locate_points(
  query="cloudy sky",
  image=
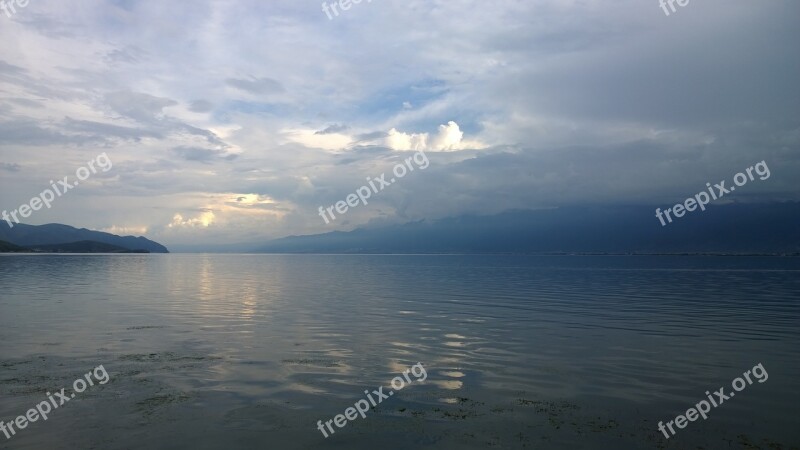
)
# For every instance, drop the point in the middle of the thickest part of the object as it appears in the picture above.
(233, 121)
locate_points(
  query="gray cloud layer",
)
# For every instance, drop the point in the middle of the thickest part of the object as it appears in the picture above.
(238, 120)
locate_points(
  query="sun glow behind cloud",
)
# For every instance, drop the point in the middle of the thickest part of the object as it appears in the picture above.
(205, 219)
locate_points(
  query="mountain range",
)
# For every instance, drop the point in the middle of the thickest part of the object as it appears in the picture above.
(721, 229)
(58, 238)
(725, 229)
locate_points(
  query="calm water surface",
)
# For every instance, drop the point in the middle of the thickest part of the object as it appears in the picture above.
(250, 351)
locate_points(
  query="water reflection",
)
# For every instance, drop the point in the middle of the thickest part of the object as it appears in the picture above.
(206, 343)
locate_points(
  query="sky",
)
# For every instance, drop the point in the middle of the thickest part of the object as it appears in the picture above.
(234, 121)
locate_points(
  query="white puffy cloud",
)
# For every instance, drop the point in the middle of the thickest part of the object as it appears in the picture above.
(204, 219)
(448, 138)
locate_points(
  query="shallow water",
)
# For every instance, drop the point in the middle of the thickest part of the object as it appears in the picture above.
(250, 351)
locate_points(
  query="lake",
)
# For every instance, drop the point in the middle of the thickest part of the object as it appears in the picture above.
(255, 351)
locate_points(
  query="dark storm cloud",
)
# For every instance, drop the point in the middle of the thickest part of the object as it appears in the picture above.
(257, 85)
(129, 55)
(30, 133)
(8, 167)
(559, 103)
(332, 129)
(142, 107)
(203, 154)
(108, 130)
(201, 106)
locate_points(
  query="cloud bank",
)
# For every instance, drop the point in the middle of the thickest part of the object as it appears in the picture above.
(234, 123)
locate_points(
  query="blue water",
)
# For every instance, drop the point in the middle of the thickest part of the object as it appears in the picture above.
(251, 351)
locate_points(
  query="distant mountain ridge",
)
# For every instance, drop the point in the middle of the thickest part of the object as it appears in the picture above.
(8, 247)
(82, 247)
(729, 229)
(55, 236)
